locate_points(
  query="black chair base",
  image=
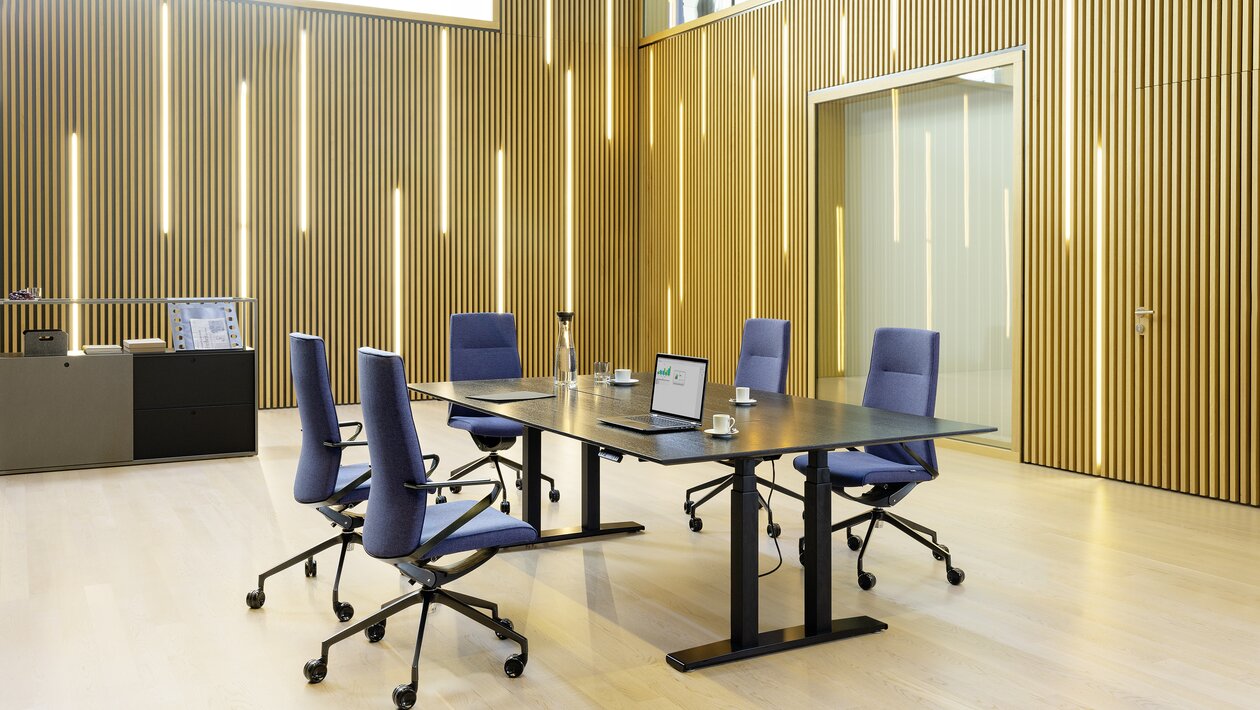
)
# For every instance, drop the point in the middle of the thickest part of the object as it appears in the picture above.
(349, 535)
(720, 484)
(915, 531)
(494, 459)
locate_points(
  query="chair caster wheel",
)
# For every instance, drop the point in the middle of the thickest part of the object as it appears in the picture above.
(696, 524)
(939, 557)
(854, 542)
(554, 496)
(519, 484)
(514, 666)
(800, 550)
(315, 670)
(866, 580)
(688, 506)
(310, 569)
(439, 500)
(256, 599)
(375, 632)
(454, 489)
(773, 530)
(344, 611)
(506, 507)
(404, 697)
(505, 623)
(955, 575)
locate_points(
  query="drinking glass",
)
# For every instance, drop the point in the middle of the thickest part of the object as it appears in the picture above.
(601, 372)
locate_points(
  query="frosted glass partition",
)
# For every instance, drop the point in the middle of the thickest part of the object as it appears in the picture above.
(916, 228)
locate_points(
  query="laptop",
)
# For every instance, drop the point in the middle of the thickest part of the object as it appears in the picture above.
(677, 396)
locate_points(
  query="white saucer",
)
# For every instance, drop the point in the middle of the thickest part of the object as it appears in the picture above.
(623, 382)
(745, 403)
(713, 433)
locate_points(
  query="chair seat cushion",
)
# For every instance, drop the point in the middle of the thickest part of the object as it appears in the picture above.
(488, 426)
(489, 529)
(346, 475)
(858, 468)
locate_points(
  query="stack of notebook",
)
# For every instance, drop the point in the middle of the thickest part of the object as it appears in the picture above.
(101, 350)
(145, 345)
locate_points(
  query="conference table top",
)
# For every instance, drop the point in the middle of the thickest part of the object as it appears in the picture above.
(776, 424)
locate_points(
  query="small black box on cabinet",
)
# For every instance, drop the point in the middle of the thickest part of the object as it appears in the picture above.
(44, 343)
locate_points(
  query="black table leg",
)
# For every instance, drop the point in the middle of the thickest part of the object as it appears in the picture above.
(531, 493)
(819, 627)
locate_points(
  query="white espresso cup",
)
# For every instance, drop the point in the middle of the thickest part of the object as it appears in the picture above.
(621, 375)
(742, 394)
(722, 423)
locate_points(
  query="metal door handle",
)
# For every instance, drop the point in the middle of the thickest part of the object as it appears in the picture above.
(1143, 311)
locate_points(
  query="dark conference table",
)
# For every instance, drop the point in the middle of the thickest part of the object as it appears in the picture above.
(778, 424)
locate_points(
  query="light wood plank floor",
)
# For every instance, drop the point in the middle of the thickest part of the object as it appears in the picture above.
(124, 588)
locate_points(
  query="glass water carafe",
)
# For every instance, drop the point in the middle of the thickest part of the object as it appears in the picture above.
(566, 354)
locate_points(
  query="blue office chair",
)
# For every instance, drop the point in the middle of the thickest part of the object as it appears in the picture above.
(903, 374)
(763, 366)
(407, 533)
(483, 347)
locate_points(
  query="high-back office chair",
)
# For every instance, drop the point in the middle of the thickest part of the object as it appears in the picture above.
(321, 480)
(763, 365)
(903, 374)
(483, 347)
(407, 533)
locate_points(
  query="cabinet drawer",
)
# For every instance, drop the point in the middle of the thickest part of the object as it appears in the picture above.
(164, 380)
(194, 431)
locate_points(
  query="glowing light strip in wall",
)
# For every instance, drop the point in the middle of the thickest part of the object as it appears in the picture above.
(243, 137)
(1098, 305)
(783, 154)
(966, 156)
(651, 97)
(568, 190)
(397, 280)
(840, 289)
(498, 234)
(681, 230)
(608, 69)
(704, 82)
(896, 165)
(547, 33)
(844, 46)
(669, 319)
(1068, 41)
(74, 239)
(166, 119)
(927, 226)
(446, 166)
(892, 24)
(303, 188)
(752, 191)
(1006, 234)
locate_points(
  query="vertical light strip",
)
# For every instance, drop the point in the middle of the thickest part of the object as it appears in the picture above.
(681, 202)
(669, 319)
(568, 189)
(896, 165)
(397, 280)
(651, 97)
(303, 149)
(243, 179)
(844, 46)
(166, 118)
(498, 234)
(892, 24)
(1068, 68)
(1006, 235)
(446, 189)
(752, 192)
(840, 289)
(74, 240)
(608, 68)
(783, 154)
(927, 226)
(966, 161)
(547, 33)
(1098, 305)
(704, 82)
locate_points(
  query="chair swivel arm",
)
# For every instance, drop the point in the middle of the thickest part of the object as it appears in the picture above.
(344, 444)
(433, 466)
(422, 552)
(931, 471)
(358, 428)
(360, 480)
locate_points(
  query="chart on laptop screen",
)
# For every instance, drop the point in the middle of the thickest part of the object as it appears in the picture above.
(679, 387)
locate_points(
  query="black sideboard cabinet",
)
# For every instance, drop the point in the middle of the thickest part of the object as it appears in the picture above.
(190, 404)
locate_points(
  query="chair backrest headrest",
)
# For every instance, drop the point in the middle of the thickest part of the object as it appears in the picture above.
(395, 517)
(318, 465)
(902, 378)
(483, 347)
(764, 354)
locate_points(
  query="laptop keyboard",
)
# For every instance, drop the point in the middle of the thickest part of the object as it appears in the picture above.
(659, 420)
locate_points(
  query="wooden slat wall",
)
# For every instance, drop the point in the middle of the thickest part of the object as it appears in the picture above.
(1168, 90)
(93, 67)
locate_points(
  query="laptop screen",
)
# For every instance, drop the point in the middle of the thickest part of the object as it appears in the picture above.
(678, 386)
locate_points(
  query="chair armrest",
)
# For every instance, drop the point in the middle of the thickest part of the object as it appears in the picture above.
(363, 478)
(422, 552)
(344, 444)
(358, 428)
(933, 472)
(434, 465)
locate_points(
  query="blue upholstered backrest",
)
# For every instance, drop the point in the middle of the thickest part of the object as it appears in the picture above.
(763, 354)
(904, 365)
(483, 347)
(395, 514)
(316, 478)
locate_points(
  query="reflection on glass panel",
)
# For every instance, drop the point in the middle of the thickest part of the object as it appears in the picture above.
(659, 15)
(462, 9)
(914, 230)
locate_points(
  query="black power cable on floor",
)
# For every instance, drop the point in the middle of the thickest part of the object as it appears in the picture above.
(770, 517)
